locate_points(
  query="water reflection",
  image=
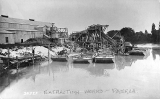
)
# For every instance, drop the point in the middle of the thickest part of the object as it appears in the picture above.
(122, 61)
(55, 67)
(125, 72)
(155, 53)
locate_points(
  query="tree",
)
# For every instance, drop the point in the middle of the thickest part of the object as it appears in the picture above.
(158, 34)
(159, 26)
(140, 37)
(128, 33)
(153, 27)
(146, 32)
(154, 33)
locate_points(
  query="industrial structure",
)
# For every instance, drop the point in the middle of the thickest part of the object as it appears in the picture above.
(94, 38)
(13, 30)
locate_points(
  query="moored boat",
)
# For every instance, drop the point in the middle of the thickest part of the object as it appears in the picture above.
(82, 58)
(59, 58)
(103, 58)
(137, 51)
(106, 56)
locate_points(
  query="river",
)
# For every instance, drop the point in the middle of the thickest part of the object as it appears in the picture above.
(130, 77)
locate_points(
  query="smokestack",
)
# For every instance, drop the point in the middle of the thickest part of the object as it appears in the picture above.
(6, 16)
(31, 19)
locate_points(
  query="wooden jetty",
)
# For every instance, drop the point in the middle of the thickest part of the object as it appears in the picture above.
(16, 62)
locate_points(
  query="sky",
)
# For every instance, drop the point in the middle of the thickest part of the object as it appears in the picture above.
(77, 15)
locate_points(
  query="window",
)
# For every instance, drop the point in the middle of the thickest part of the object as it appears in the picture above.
(20, 26)
(3, 24)
(21, 40)
(12, 25)
(7, 40)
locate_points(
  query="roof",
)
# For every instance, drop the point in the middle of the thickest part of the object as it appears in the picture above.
(23, 21)
(6, 32)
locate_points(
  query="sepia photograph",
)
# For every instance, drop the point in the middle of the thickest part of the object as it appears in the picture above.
(79, 49)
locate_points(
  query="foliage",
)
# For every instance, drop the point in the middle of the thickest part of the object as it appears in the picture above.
(155, 34)
(131, 36)
(128, 33)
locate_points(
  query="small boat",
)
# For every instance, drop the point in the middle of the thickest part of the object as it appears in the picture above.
(59, 58)
(104, 57)
(137, 51)
(82, 58)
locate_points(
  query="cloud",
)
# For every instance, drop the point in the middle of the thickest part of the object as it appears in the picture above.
(10, 8)
(78, 14)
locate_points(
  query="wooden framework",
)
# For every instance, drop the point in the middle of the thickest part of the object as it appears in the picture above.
(62, 32)
(94, 38)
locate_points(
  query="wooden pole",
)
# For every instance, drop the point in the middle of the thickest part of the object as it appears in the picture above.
(33, 56)
(39, 66)
(48, 51)
(8, 56)
(17, 68)
(17, 62)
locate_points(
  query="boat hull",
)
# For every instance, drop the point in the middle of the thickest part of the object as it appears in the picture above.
(81, 60)
(103, 60)
(60, 59)
(137, 53)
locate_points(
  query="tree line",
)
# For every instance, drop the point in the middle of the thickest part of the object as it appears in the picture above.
(138, 37)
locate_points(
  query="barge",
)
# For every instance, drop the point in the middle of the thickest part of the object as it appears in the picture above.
(138, 52)
(105, 56)
(82, 58)
(60, 58)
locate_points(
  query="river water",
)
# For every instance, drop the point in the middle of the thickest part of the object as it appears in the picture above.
(130, 77)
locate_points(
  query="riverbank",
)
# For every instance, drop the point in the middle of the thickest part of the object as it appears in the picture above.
(22, 56)
(136, 75)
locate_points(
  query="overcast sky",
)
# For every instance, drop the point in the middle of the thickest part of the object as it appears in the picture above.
(77, 15)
